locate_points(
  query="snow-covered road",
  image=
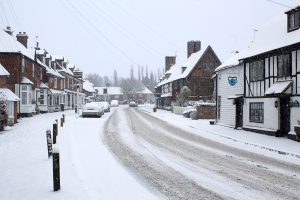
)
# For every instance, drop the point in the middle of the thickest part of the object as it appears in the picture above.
(182, 165)
(130, 154)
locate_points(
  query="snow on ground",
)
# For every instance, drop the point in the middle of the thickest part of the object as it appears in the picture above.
(279, 148)
(88, 169)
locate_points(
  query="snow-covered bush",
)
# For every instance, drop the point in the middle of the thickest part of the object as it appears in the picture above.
(183, 96)
(194, 115)
(187, 112)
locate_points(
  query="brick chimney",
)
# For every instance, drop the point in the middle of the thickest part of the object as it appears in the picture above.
(8, 30)
(169, 61)
(193, 47)
(22, 38)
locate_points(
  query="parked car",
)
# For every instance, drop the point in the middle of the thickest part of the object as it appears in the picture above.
(105, 105)
(132, 104)
(92, 109)
(114, 103)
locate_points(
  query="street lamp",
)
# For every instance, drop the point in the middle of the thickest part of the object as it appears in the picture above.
(77, 98)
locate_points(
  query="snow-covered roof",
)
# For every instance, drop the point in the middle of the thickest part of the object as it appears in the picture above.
(110, 90)
(279, 87)
(26, 81)
(56, 91)
(3, 71)
(272, 36)
(179, 71)
(146, 91)
(64, 70)
(232, 61)
(10, 44)
(49, 69)
(88, 86)
(43, 85)
(10, 96)
(40, 51)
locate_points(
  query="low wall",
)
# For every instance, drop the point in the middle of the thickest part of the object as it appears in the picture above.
(179, 110)
(206, 111)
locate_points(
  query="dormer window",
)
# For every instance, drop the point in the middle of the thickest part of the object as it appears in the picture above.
(183, 69)
(293, 18)
(168, 75)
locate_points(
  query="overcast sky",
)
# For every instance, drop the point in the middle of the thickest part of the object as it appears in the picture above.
(99, 36)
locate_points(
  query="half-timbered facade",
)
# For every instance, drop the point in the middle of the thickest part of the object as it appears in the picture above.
(272, 77)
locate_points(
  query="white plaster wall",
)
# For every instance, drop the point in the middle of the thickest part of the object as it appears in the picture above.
(270, 114)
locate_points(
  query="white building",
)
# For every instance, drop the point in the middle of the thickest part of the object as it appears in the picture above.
(230, 92)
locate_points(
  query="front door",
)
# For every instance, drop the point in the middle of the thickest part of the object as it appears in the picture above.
(284, 115)
(239, 112)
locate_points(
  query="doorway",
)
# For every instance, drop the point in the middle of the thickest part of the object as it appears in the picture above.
(239, 112)
(284, 115)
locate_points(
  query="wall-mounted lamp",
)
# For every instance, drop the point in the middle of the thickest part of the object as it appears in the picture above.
(296, 103)
(291, 103)
(276, 104)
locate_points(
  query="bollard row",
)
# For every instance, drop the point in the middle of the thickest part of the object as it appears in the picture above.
(54, 152)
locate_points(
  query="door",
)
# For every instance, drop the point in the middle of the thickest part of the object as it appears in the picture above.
(239, 112)
(284, 115)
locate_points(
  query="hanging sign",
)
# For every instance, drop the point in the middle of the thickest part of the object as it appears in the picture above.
(232, 80)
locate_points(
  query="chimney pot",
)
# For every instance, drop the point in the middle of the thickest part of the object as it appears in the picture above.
(22, 38)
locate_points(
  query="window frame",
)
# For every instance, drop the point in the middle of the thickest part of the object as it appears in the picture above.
(256, 112)
(286, 67)
(293, 16)
(254, 70)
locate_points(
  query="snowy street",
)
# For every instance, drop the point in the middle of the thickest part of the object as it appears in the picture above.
(132, 153)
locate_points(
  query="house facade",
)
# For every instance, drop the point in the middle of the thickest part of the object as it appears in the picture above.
(195, 73)
(230, 92)
(271, 84)
(109, 93)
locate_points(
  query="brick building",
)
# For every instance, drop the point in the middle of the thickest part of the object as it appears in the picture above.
(195, 73)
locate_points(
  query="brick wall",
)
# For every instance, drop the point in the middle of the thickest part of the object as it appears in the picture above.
(12, 63)
(206, 112)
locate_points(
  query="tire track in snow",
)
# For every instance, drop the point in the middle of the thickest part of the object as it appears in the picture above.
(164, 179)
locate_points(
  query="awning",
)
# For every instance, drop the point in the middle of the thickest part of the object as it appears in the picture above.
(56, 91)
(70, 91)
(279, 87)
(235, 96)
(44, 86)
(26, 81)
(10, 96)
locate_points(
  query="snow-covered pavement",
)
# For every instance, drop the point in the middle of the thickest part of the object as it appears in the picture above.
(90, 170)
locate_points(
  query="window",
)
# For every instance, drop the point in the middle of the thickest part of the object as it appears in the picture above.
(257, 112)
(284, 66)
(43, 94)
(55, 82)
(26, 94)
(256, 71)
(23, 65)
(293, 20)
(183, 69)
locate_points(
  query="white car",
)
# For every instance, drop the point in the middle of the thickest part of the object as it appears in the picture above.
(114, 103)
(92, 109)
(132, 104)
(105, 106)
